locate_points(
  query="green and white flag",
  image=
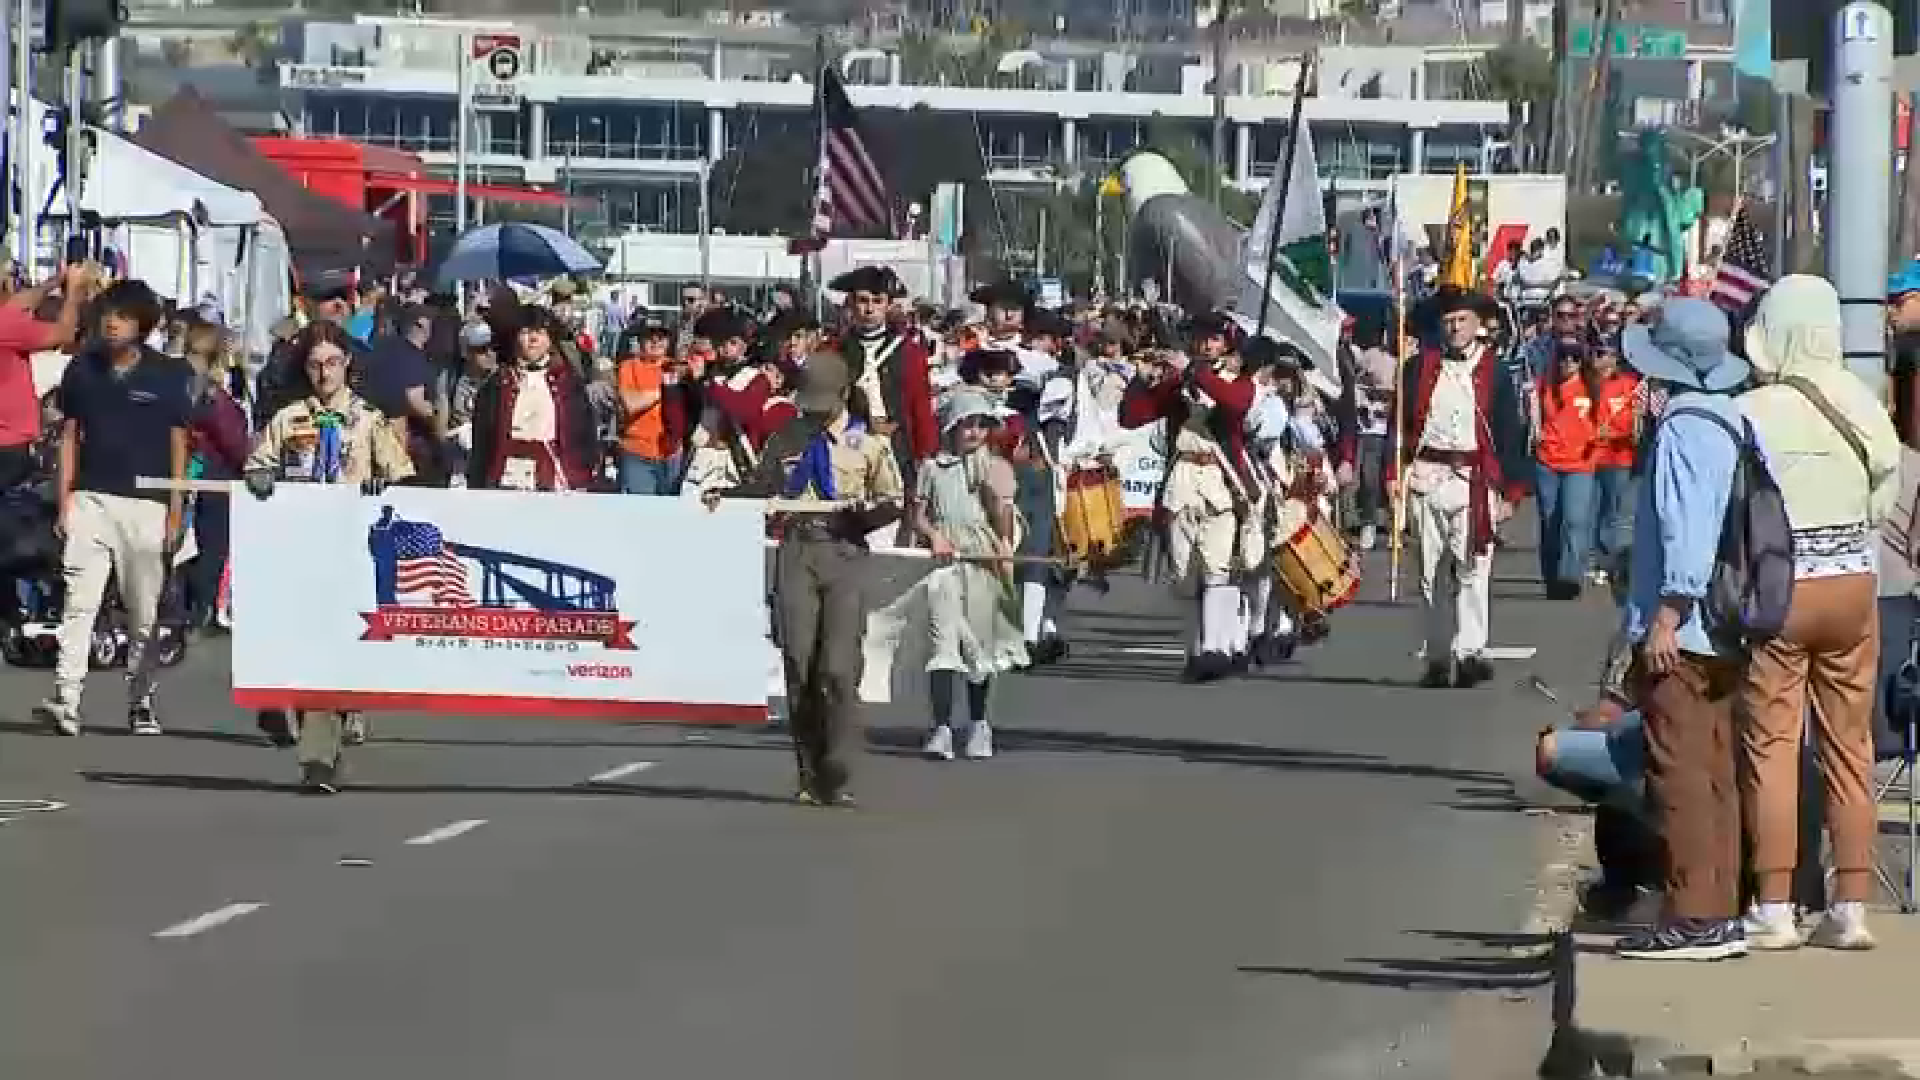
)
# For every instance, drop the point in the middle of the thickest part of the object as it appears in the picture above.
(1299, 284)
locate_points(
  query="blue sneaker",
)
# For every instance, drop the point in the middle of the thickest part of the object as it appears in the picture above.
(1686, 939)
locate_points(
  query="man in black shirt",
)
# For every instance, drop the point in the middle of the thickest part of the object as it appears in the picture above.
(127, 411)
(396, 377)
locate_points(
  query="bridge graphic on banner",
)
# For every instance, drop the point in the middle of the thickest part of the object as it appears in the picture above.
(423, 587)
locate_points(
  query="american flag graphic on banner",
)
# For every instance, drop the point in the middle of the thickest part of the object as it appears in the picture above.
(425, 569)
(850, 195)
(1746, 268)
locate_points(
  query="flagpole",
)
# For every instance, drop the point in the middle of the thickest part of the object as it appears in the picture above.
(1396, 542)
(1285, 180)
(809, 275)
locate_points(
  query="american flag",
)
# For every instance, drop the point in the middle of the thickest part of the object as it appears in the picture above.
(1746, 269)
(850, 195)
(425, 568)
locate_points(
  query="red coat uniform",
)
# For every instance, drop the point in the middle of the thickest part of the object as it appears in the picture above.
(906, 389)
(1143, 403)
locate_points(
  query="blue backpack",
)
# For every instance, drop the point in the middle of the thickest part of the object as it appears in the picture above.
(1752, 586)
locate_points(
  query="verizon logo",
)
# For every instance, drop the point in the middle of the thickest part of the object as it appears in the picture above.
(599, 671)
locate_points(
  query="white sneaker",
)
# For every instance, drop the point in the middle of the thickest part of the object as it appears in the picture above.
(1369, 535)
(1772, 927)
(980, 741)
(1844, 927)
(939, 744)
(62, 718)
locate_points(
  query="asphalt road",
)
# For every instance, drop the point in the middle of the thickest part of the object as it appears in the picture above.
(1308, 874)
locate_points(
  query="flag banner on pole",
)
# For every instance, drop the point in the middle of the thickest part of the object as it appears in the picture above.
(850, 195)
(1301, 310)
(1458, 269)
(1746, 269)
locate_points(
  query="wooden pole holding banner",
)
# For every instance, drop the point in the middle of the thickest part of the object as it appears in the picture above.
(1396, 542)
(772, 506)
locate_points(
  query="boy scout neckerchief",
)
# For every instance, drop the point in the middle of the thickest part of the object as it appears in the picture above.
(327, 456)
(814, 469)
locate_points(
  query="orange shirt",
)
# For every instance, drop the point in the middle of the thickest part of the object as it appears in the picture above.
(645, 433)
(1566, 427)
(1614, 422)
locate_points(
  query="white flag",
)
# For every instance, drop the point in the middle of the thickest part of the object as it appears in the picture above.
(1299, 285)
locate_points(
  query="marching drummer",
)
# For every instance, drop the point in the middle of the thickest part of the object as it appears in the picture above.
(819, 613)
(1210, 484)
(1467, 455)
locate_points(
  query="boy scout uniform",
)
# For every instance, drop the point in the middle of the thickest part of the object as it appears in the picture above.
(289, 449)
(819, 611)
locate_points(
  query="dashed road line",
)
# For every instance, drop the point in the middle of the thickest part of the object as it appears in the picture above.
(200, 924)
(446, 832)
(620, 772)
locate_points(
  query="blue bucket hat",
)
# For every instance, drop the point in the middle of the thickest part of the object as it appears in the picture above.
(1904, 280)
(1686, 346)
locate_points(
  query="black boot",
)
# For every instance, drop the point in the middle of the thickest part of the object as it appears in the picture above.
(1438, 676)
(1471, 671)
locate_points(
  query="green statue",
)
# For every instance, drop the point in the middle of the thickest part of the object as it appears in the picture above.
(1656, 210)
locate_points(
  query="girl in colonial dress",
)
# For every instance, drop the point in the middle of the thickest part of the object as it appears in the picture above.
(965, 508)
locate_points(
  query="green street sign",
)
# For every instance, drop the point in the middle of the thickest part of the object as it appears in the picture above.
(1657, 42)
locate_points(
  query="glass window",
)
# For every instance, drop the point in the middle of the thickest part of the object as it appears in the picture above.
(1019, 142)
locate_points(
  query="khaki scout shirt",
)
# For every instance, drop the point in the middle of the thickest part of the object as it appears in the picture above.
(368, 445)
(863, 465)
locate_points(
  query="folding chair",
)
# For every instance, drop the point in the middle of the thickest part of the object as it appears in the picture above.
(1900, 697)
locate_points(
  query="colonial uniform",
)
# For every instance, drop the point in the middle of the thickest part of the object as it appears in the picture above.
(342, 441)
(534, 430)
(1205, 513)
(892, 388)
(819, 610)
(733, 403)
(1468, 447)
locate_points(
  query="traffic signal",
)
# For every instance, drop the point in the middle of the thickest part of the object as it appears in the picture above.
(72, 22)
(1803, 30)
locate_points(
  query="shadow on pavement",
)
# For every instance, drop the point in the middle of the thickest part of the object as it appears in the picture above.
(1507, 970)
(189, 782)
(1016, 740)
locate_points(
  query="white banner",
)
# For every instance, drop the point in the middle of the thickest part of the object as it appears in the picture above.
(495, 601)
(1141, 456)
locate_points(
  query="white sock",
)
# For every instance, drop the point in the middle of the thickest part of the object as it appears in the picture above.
(1033, 610)
(1220, 618)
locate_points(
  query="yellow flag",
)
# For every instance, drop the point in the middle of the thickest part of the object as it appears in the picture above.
(1457, 270)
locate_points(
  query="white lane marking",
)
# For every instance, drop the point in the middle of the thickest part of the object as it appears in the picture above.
(1151, 650)
(447, 832)
(200, 924)
(619, 771)
(1509, 652)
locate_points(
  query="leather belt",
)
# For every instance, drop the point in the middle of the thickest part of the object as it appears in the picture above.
(818, 528)
(1456, 458)
(1198, 457)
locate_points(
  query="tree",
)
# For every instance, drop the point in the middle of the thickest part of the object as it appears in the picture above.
(1522, 73)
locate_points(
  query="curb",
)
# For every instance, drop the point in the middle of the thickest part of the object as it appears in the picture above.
(1581, 1055)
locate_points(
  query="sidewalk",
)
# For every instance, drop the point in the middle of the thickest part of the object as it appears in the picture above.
(1805, 1012)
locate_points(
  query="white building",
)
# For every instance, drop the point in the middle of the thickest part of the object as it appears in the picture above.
(627, 122)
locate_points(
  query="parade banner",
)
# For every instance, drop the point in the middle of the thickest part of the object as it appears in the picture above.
(499, 602)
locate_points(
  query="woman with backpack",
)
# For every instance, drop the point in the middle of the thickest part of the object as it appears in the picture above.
(1832, 449)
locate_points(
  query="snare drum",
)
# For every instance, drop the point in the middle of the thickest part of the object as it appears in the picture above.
(1093, 515)
(1316, 569)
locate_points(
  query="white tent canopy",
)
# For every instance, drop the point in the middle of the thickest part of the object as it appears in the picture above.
(130, 183)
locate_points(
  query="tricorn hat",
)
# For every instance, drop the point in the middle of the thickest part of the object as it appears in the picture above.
(878, 280)
(723, 324)
(788, 323)
(1215, 324)
(1044, 322)
(1451, 298)
(1004, 294)
(979, 362)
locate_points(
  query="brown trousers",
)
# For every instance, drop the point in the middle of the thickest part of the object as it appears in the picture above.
(820, 619)
(1830, 650)
(1690, 782)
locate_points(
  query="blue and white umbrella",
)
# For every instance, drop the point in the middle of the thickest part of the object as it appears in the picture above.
(515, 250)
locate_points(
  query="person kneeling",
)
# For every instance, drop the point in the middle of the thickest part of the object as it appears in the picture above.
(331, 436)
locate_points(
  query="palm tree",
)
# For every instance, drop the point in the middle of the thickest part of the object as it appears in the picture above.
(1521, 72)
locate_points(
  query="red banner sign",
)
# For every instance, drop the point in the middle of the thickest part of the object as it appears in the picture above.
(605, 628)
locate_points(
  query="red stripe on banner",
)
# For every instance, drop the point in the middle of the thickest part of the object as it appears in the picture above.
(493, 705)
